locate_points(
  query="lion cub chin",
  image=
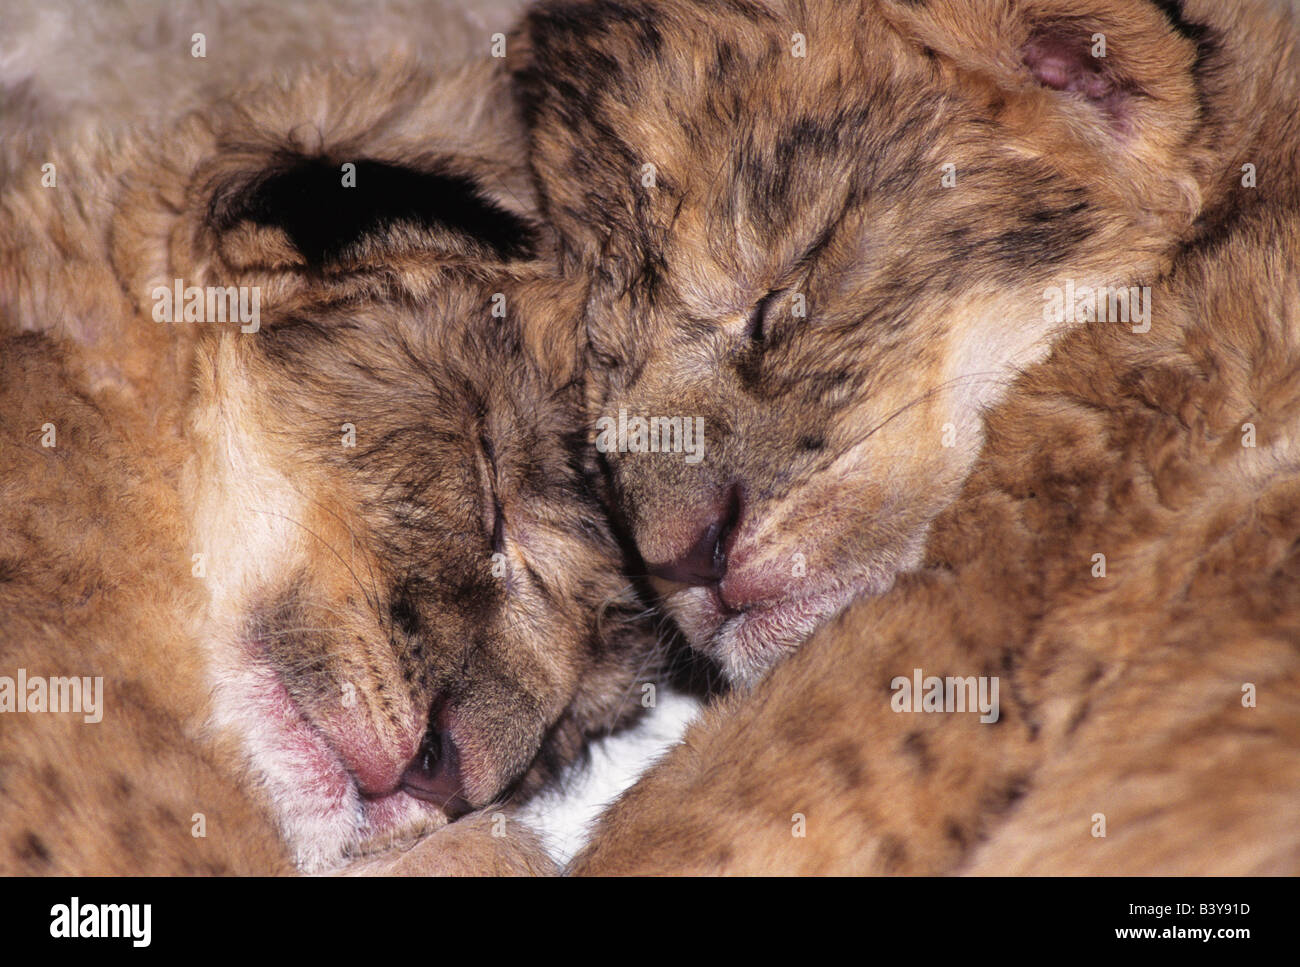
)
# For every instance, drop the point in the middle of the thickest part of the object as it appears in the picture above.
(827, 237)
(317, 322)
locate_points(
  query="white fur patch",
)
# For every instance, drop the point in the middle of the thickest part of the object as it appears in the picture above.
(564, 817)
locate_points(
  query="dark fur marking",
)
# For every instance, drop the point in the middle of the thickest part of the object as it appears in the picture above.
(721, 858)
(323, 219)
(1048, 244)
(1009, 795)
(538, 583)
(845, 758)
(403, 612)
(914, 744)
(33, 848)
(1173, 11)
(1078, 718)
(893, 854)
(129, 836)
(956, 833)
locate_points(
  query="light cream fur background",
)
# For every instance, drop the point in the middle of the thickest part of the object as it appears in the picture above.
(67, 65)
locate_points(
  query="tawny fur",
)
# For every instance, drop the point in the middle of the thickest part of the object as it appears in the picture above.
(1175, 453)
(758, 201)
(361, 588)
(93, 541)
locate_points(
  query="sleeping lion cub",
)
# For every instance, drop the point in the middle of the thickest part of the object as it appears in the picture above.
(295, 492)
(829, 233)
(877, 246)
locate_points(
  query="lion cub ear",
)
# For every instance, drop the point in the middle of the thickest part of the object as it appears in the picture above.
(1087, 85)
(316, 213)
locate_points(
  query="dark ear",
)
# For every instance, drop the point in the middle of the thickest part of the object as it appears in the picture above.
(318, 212)
(1089, 84)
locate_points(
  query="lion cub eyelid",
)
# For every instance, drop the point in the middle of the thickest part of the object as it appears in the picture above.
(493, 513)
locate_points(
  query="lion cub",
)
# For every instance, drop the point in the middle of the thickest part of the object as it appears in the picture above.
(1098, 669)
(293, 469)
(830, 234)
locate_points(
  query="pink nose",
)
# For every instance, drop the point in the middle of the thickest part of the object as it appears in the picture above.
(748, 587)
(434, 775)
(705, 561)
(375, 760)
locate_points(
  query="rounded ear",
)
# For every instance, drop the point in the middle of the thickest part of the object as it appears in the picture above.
(350, 175)
(1087, 85)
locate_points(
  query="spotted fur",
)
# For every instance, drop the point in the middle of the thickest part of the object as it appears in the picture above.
(403, 556)
(757, 193)
(1156, 697)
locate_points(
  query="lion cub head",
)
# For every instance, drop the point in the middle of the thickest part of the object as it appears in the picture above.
(415, 606)
(822, 238)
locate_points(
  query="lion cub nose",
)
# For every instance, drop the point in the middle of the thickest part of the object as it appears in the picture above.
(705, 562)
(434, 774)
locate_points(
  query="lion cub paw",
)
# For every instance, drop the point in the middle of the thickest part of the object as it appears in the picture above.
(483, 844)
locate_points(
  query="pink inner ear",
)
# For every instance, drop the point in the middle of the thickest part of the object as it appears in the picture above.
(1065, 63)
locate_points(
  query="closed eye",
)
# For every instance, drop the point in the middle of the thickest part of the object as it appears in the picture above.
(498, 527)
(494, 518)
(756, 331)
